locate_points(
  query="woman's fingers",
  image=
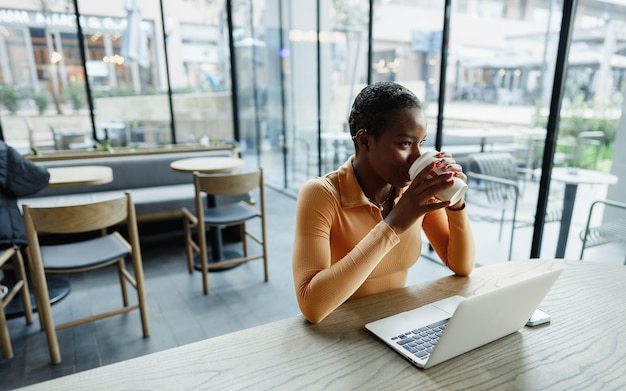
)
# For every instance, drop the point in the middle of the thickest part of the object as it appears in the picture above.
(446, 163)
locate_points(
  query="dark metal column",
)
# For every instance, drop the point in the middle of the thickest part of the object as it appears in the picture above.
(283, 104)
(442, 74)
(83, 59)
(319, 91)
(167, 73)
(567, 22)
(370, 42)
(233, 70)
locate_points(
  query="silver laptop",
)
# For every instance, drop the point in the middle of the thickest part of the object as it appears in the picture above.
(439, 331)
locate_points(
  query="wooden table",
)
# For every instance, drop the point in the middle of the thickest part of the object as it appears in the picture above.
(79, 176)
(211, 165)
(583, 348)
(503, 134)
(481, 133)
(572, 177)
(207, 165)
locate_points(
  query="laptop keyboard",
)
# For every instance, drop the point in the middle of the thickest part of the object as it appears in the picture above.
(421, 342)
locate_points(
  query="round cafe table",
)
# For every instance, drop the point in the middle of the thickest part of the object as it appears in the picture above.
(207, 165)
(79, 176)
(211, 165)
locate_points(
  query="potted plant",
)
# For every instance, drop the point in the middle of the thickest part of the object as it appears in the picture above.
(10, 98)
(42, 100)
(75, 92)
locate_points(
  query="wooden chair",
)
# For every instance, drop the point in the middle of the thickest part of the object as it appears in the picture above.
(498, 176)
(610, 231)
(21, 284)
(217, 217)
(83, 255)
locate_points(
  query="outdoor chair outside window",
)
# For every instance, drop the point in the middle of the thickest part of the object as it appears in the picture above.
(528, 155)
(497, 175)
(218, 217)
(83, 255)
(20, 285)
(611, 231)
(582, 150)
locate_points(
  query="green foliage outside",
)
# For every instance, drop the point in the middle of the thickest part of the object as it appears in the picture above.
(9, 98)
(104, 147)
(76, 94)
(576, 118)
(42, 100)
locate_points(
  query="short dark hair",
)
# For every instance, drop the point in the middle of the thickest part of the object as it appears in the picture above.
(373, 105)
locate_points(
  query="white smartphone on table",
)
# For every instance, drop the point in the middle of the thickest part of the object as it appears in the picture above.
(538, 317)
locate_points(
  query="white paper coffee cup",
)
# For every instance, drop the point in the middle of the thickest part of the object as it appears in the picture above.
(452, 194)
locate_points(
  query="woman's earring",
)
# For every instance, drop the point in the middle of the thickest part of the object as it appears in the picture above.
(358, 133)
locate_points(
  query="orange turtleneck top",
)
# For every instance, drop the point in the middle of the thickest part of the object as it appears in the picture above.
(344, 250)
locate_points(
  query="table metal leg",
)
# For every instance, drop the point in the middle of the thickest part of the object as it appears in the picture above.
(58, 288)
(217, 248)
(569, 198)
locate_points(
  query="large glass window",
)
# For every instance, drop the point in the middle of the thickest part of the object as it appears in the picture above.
(316, 102)
(157, 79)
(499, 79)
(199, 69)
(43, 78)
(344, 74)
(592, 129)
(250, 55)
(408, 52)
(125, 65)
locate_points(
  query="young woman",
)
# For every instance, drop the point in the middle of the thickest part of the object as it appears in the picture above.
(358, 229)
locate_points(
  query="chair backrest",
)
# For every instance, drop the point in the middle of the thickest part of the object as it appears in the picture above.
(228, 184)
(79, 218)
(612, 229)
(594, 137)
(500, 175)
(497, 164)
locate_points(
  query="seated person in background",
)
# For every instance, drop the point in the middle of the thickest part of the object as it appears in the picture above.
(19, 177)
(358, 229)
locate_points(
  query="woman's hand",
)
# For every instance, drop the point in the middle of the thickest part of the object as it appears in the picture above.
(419, 197)
(450, 165)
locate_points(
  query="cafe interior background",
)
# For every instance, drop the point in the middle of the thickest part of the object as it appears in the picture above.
(277, 77)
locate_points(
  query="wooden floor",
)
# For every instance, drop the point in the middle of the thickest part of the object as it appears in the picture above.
(179, 312)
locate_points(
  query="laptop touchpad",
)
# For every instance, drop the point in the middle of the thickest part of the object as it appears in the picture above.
(423, 316)
(449, 305)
